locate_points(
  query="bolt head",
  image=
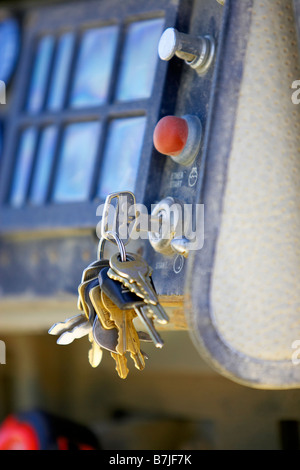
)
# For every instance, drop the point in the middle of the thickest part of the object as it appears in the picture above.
(168, 44)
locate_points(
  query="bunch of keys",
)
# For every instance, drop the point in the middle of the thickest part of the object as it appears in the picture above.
(112, 293)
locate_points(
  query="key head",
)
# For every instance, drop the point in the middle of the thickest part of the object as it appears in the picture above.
(93, 269)
(89, 274)
(132, 268)
(102, 313)
(106, 339)
(69, 323)
(95, 354)
(137, 272)
(117, 292)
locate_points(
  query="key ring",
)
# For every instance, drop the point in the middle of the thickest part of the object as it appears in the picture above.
(118, 242)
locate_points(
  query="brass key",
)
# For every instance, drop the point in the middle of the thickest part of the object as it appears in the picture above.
(102, 313)
(118, 316)
(128, 337)
(121, 364)
(88, 275)
(95, 353)
(133, 342)
(81, 304)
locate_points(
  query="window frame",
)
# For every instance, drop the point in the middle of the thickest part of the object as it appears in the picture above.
(58, 19)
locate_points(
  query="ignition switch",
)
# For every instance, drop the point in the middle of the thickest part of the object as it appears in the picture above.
(167, 237)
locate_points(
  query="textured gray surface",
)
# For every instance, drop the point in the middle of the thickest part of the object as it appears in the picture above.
(255, 295)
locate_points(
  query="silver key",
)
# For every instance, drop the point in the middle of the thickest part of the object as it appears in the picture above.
(135, 269)
(142, 314)
(157, 311)
(62, 327)
(77, 332)
(106, 339)
(95, 352)
(89, 274)
(72, 328)
(135, 275)
(93, 269)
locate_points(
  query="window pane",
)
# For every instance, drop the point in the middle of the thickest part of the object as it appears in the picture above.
(60, 72)
(1, 143)
(23, 167)
(94, 67)
(139, 60)
(43, 166)
(40, 74)
(10, 46)
(77, 162)
(121, 156)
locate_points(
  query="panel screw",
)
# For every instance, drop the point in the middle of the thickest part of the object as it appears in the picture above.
(197, 52)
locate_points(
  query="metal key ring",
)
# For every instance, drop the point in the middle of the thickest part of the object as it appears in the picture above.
(118, 242)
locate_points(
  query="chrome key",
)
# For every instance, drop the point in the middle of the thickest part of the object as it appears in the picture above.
(61, 327)
(105, 338)
(142, 314)
(77, 332)
(156, 309)
(136, 270)
(89, 273)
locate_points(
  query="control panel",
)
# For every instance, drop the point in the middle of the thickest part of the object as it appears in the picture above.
(82, 122)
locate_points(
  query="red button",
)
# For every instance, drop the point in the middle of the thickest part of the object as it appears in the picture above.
(17, 435)
(170, 135)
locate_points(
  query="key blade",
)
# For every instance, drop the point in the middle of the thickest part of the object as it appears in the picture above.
(145, 284)
(138, 360)
(142, 313)
(133, 342)
(119, 318)
(158, 313)
(121, 365)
